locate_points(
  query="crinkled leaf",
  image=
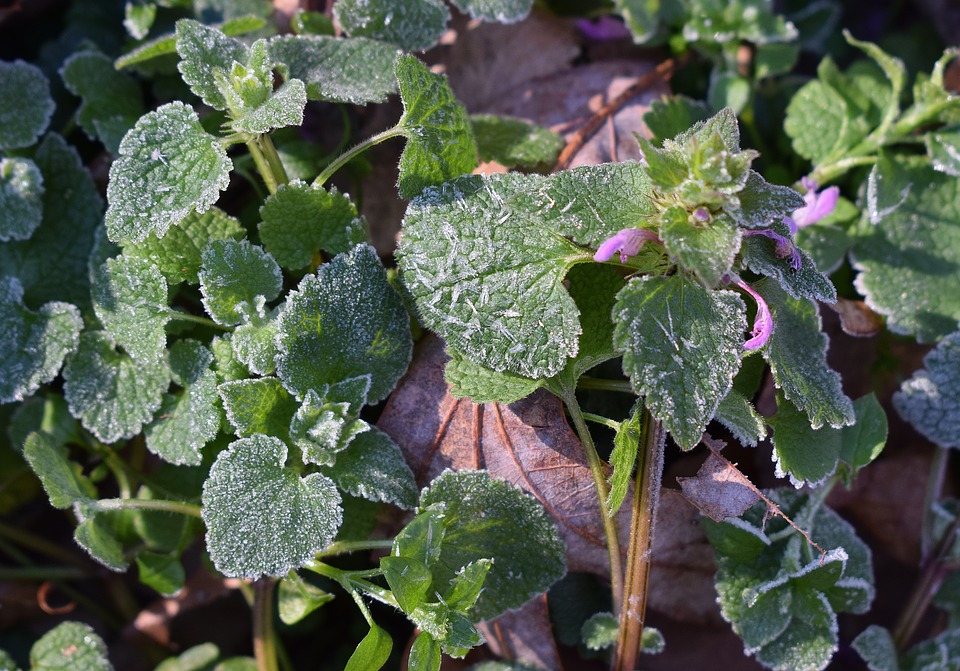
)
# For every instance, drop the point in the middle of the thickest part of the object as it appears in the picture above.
(168, 166)
(515, 143)
(600, 631)
(178, 253)
(760, 256)
(343, 322)
(284, 107)
(27, 104)
(203, 51)
(21, 198)
(485, 518)
(504, 11)
(708, 250)
(485, 385)
(876, 647)
(739, 416)
(355, 71)
(440, 144)
(232, 275)
(413, 25)
(130, 299)
(935, 654)
(818, 122)
(808, 456)
(373, 467)
(61, 478)
(908, 263)
(299, 220)
(863, 441)
(329, 419)
(762, 203)
(161, 572)
(33, 345)
(70, 645)
(797, 353)
(623, 457)
(112, 395)
(930, 400)
(111, 101)
(944, 150)
(255, 345)
(190, 418)
(260, 406)
(263, 518)
(681, 345)
(296, 598)
(372, 652)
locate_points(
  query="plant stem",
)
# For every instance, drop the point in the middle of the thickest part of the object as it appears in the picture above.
(149, 504)
(587, 382)
(263, 166)
(343, 547)
(599, 419)
(825, 174)
(350, 154)
(264, 637)
(187, 317)
(938, 474)
(646, 491)
(44, 573)
(31, 541)
(273, 159)
(351, 583)
(600, 484)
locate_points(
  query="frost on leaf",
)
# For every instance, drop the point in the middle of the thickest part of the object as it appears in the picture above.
(263, 518)
(21, 198)
(413, 25)
(27, 104)
(112, 395)
(329, 419)
(504, 11)
(232, 275)
(70, 645)
(33, 345)
(681, 347)
(739, 416)
(760, 254)
(168, 166)
(344, 322)
(930, 400)
(373, 468)
(203, 52)
(258, 406)
(708, 251)
(254, 343)
(485, 385)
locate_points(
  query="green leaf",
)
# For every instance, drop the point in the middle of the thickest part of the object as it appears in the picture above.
(98, 536)
(930, 400)
(283, 107)
(354, 71)
(594, 288)
(626, 444)
(600, 631)
(263, 518)
(797, 354)
(643, 19)
(190, 418)
(373, 467)
(515, 143)
(49, 414)
(112, 395)
(198, 658)
(895, 72)
(409, 580)
(706, 250)
(944, 150)
(808, 456)
(485, 385)
(440, 144)
(372, 652)
(299, 220)
(940, 652)
(763, 204)
(21, 198)
(876, 647)
(504, 11)
(7, 663)
(138, 18)
(232, 275)
(255, 343)
(728, 90)
(424, 654)
(907, 262)
(130, 299)
(739, 416)
(167, 44)
(161, 572)
(329, 419)
(111, 101)
(413, 25)
(296, 598)
(61, 478)
(818, 122)
(681, 348)
(33, 345)
(27, 104)
(168, 166)
(204, 51)
(670, 116)
(70, 645)
(343, 322)
(485, 518)
(260, 406)
(421, 539)
(863, 441)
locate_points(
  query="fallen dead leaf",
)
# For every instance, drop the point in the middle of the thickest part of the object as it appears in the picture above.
(856, 318)
(524, 636)
(719, 489)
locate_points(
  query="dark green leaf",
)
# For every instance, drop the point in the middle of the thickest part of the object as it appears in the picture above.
(167, 44)
(409, 580)
(515, 143)
(808, 456)
(707, 250)
(258, 406)
(413, 25)
(130, 299)
(763, 204)
(862, 442)
(876, 647)
(623, 458)
(373, 467)
(424, 654)
(70, 645)
(161, 572)
(485, 385)
(27, 104)
(504, 11)
(21, 198)
(760, 256)
(296, 598)
(930, 400)
(740, 417)
(98, 536)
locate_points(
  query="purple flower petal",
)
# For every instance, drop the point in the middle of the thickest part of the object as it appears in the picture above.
(818, 204)
(604, 28)
(762, 324)
(627, 242)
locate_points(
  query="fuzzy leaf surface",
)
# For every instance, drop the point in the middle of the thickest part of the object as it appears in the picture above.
(930, 400)
(254, 344)
(739, 416)
(232, 275)
(61, 478)
(413, 25)
(485, 385)
(130, 299)
(329, 419)
(21, 198)
(203, 51)
(944, 150)
(258, 406)
(70, 645)
(760, 256)
(27, 104)
(831, 133)
(863, 442)
(263, 518)
(504, 11)
(372, 467)
(97, 535)
(708, 251)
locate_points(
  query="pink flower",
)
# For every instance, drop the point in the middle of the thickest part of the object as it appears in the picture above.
(818, 205)
(762, 324)
(627, 242)
(785, 247)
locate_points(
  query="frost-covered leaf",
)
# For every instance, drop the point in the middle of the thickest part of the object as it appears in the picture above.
(61, 478)
(708, 250)
(797, 353)
(908, 260)
(138, 17)
(21, 198)
(355, 71)
(296, 598)
(232, 275)
(515, 143)
(178, 253)
(299, 220)
(739, 416)
(504, 11)
(259, 406)
(818, 122)
(190, 418)
(623, 457)
(808, 456)
(33, 345)
(943, 147)
(130, 299)
(254, 344)
(111, 101)
(282, 107)
(936, 654)
(97, 535)
(876, 647)
(413, 25)
(485, 385)
(166, 45)
(760, 256)
(895, 72)
(329, 419)
(600, 631)
(263, 518)
(343, 322)
(70, 645)
(27, 104)
(203, 51)
(440, 144)
(168, 166)
(373, 468)
(112, 395)
(762, 203)
(930, 400)
(681, 345)
(485, 518)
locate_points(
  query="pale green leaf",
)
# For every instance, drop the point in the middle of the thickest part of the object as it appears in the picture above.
(943, 147)
(229, 368)
(643, 19)
(817, 122)
(296, 598)
(98, 536)
(876, 647)
(708, 251)
(283, 107)
(809, 456)
(908, 262)
(61, 478)
(504, 11)
(130, 299)
(485, 385)
(600, 631)
(895, 72)
(70, 645)
(168, 166)
(263, 518)
(515, 143)
(760, 256)
(197, 658)
(232, 275)
(300, 220)
(27, 104)
(681, 345)
(203, 51)
(161, 572)
(33, 345)
(424, 654)
(930, 400)
(355, 71)
(440, 144)
(21, 198)
(413, 25)
(167, 44)
(372, 652)
(112, 395)
(623, 457)
(373, 468)
(739, 416)
(255, 344)
(258, 406)
(344, 322)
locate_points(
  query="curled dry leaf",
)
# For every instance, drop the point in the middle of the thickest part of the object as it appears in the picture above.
(719, 490)
(856, 318)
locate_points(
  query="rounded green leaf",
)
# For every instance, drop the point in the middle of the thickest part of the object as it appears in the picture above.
(930, 400)
(373, 467)
(263, 518)
(21, 193)
(130, 299)
(232, 275)
(413, 25)
(27, 104)
(70, 645)
(204, 51)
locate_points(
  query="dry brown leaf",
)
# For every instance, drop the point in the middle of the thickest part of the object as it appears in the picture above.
(856, 318)
(524, 635)
(719, 489)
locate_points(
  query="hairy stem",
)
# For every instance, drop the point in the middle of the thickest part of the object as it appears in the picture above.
(264, 636)
(149, 504)
(351, 582)
(344, 547)
(353, 152)
(204, 321)
(272, 158)
(605, 421)
(263, 165)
